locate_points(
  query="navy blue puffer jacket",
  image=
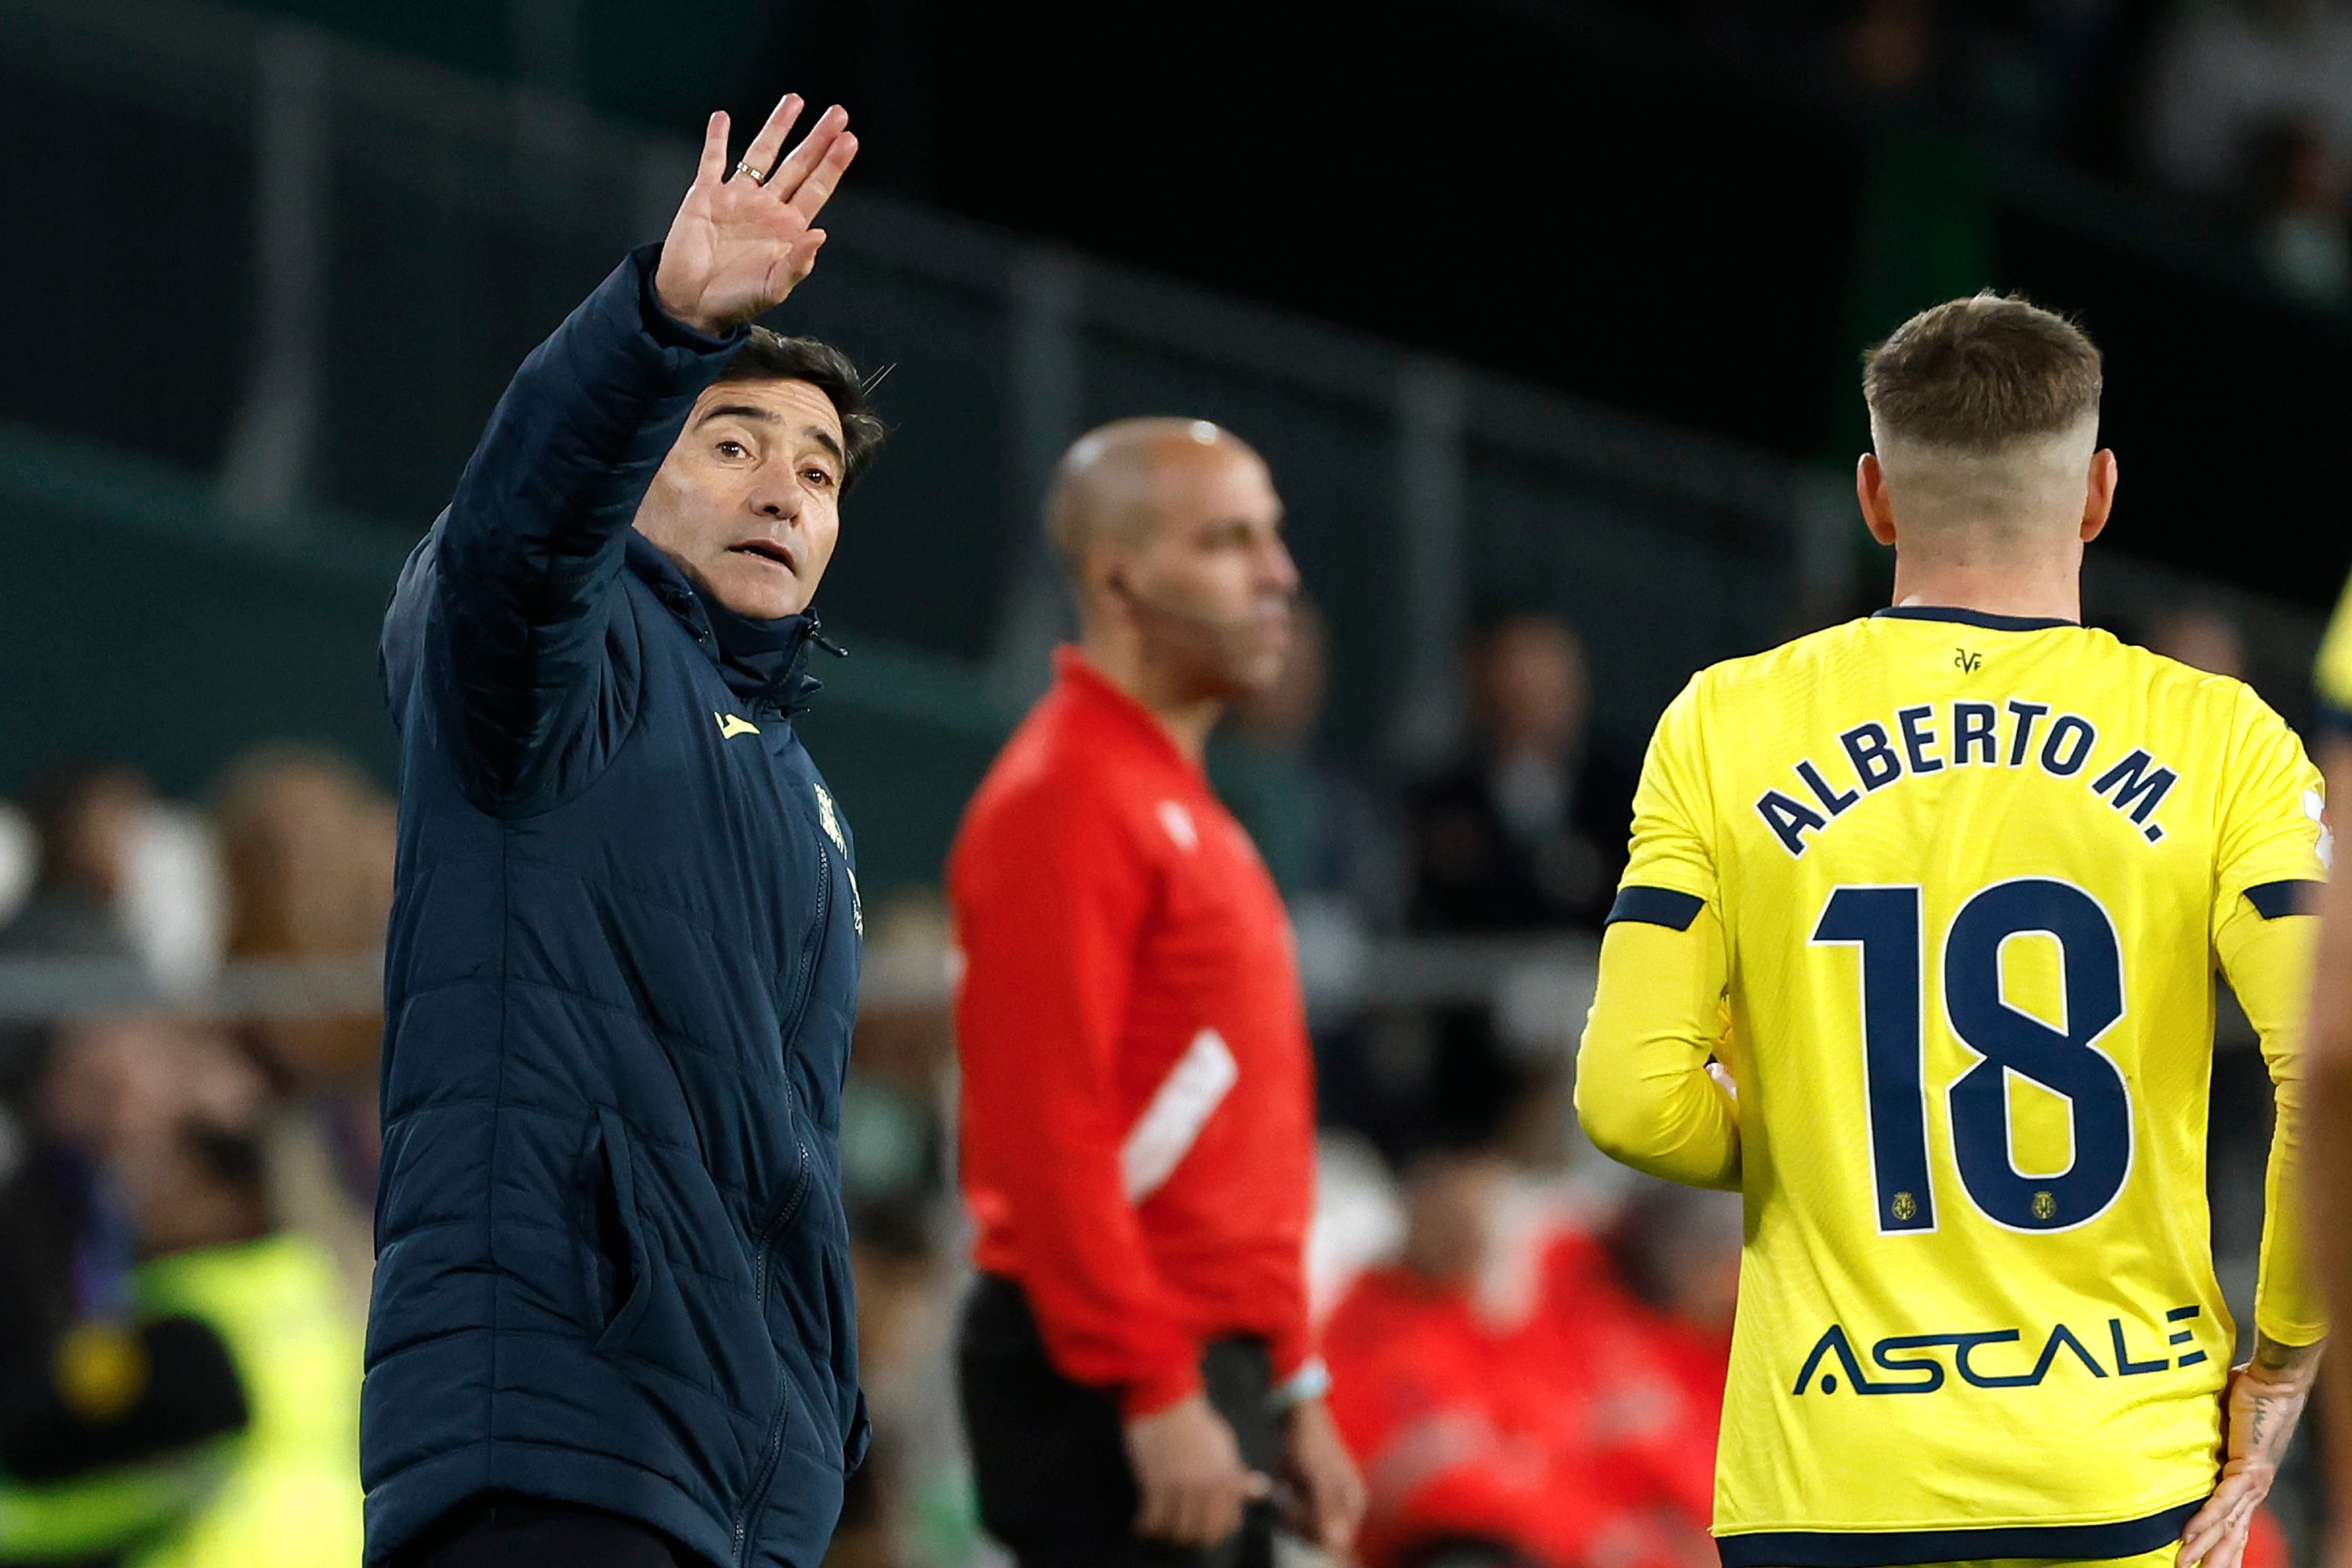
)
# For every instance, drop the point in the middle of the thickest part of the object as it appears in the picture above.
(612, 1261)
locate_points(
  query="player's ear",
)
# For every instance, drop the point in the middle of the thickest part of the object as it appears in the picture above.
(2101, 501)
(1877, 507)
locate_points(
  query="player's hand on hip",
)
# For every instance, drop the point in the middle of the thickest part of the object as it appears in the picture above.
(1189, 1470)
(745, 237)
(2263, 1400)
(1326, 1501)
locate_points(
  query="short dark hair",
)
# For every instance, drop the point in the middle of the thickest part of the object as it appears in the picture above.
(1981, 374)
(771, 356)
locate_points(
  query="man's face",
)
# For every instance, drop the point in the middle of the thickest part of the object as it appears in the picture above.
(1211, 583)
(748, 504)
(1537, 697)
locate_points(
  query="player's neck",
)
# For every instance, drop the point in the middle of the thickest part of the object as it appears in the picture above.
(1125, 661)
(2044, 590)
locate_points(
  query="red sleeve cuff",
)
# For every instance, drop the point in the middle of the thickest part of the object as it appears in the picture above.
(1151, 1397)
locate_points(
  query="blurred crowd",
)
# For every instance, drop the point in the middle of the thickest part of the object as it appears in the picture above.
(186, 1178)
(2239, 107)
(1528, 1343)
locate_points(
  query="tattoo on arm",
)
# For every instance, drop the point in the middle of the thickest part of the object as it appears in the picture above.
(2286, 1373)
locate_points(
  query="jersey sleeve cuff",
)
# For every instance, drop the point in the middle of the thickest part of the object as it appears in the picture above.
(1157, 1393)
(2291, 1331)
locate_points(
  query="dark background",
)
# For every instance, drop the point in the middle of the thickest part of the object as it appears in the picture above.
(1627, 209)
(1667, 208)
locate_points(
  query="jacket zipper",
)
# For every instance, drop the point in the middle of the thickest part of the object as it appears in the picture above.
(766, 1474)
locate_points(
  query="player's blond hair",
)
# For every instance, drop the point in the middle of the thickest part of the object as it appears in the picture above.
(1982, 375)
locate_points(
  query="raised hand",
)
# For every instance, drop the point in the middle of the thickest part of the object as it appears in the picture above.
(740, 243)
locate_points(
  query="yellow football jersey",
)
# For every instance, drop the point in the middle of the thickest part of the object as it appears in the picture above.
(1971, 878)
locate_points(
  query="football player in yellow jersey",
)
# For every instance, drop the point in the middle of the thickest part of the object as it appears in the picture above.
(1916, 950)
(2330, 1051)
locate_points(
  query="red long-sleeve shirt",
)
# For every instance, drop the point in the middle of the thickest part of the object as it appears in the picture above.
(1138, 1117)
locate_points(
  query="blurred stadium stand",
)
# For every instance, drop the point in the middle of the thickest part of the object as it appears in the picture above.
(343, 252)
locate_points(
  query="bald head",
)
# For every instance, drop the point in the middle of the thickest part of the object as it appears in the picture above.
(1114, 485)
(1172, 531)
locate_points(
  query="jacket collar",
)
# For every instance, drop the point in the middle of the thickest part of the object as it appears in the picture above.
(762, 661)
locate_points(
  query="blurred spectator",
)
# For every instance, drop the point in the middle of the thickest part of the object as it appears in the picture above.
(84, 813)
(2227, 70)
(2299, 216)
(911, 1501)
(1579, 1427)
(308, 844)
(1334, 857)
(1315, 829)
(2203, 638)
(178, 1383)
(894, 1186)
(1527, 830)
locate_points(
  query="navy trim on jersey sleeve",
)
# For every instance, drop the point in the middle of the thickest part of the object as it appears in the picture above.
(1896, 1548)
(1655, 906)
(2272, 900)
(1984, 619)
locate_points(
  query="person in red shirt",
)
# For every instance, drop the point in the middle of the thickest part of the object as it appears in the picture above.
(1139, 1383)
(1570, 1428)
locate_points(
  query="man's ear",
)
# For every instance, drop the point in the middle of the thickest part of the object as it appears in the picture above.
(2101, 499)
(1101, 576)
(1877, 506)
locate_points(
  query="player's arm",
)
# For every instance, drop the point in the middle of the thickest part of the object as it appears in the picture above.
(2266, 947)
(1644, 1090)
(2328, 1111)
(2266, 950)
(531, 544)
(2264, 933)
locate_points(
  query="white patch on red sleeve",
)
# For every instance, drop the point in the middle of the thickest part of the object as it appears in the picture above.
(1179, 824)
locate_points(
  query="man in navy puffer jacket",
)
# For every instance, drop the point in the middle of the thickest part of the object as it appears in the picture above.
(613, 1322)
